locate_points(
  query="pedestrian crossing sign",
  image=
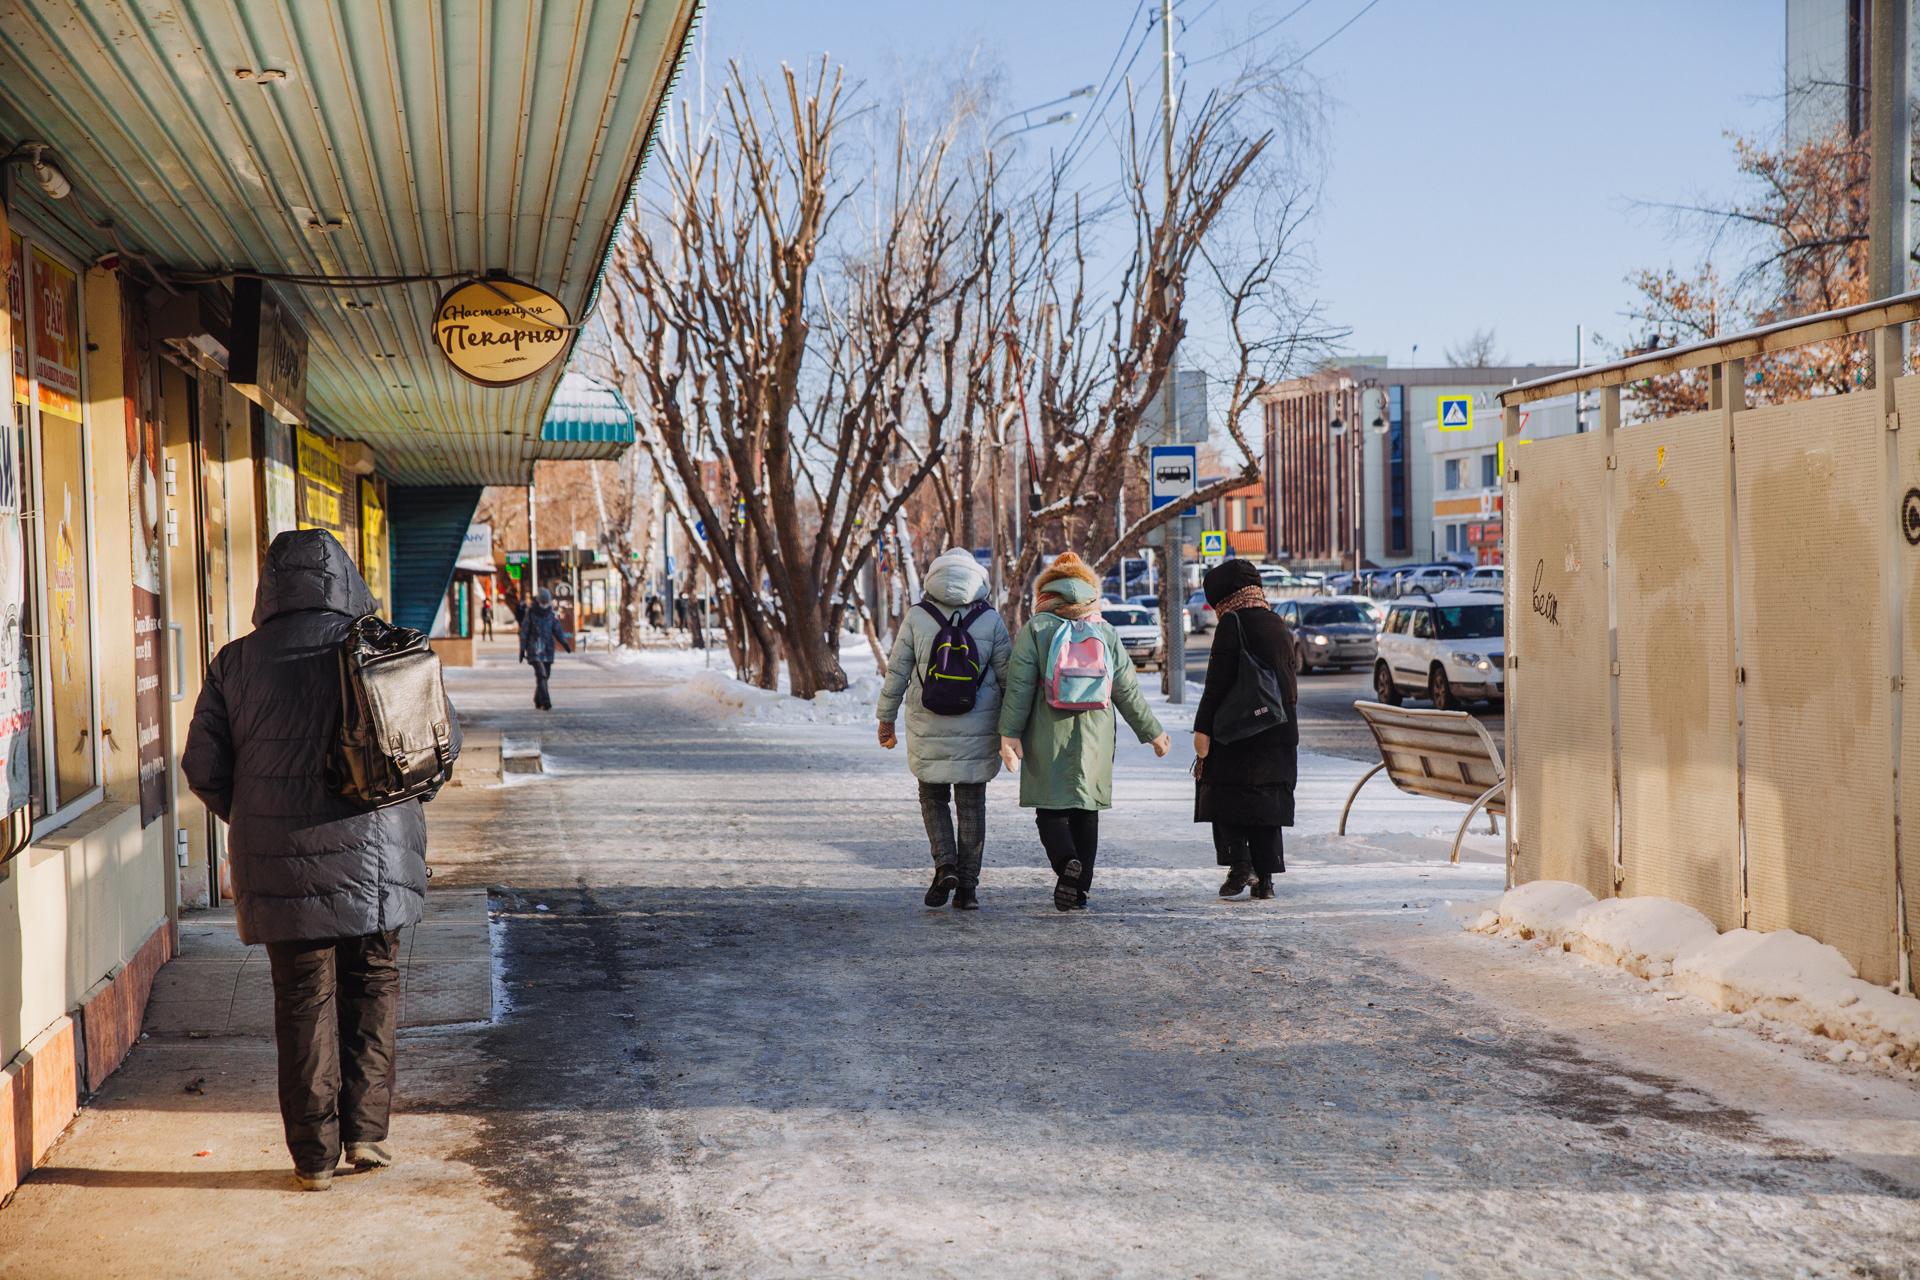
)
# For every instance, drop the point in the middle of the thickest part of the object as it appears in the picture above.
(1213, 545)
(1456, 413)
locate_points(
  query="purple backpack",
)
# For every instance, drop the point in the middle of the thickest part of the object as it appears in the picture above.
(951, 683)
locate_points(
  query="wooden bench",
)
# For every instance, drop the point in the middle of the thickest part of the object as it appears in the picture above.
(1446, 755)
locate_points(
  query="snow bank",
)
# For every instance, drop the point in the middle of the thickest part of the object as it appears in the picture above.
(706, 690)
(1784, 976)
(1790, 977)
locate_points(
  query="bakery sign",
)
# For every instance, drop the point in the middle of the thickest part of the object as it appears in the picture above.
(497, 332)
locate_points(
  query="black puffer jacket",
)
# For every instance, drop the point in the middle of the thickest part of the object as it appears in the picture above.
(1249, 782)
(306, 863)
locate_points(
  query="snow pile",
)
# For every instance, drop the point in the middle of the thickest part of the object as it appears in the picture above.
(704, 690)
(1545, 909)
(1785, 976)
(1790, 977)
(1644, 936)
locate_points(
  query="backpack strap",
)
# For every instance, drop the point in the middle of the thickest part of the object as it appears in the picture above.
(974, 613)
(938, 616)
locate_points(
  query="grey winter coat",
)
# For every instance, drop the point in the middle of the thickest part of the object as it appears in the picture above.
(948, 748)
(307, 864)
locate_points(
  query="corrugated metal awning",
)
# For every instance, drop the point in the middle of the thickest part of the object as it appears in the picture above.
(402, 137)
(589, 414)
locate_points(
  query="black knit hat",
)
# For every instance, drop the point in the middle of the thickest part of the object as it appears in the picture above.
(1224, 579)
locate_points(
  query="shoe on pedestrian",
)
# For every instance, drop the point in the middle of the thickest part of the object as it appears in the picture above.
(1263, 887)
(1066, 894)
(369, 1155)
(1080, 900)
(944, 879)
(966, 899)
(314, 1179)
(1238, 878)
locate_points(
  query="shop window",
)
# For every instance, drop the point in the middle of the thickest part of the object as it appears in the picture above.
(56, 665)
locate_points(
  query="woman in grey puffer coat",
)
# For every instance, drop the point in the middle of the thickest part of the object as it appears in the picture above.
(957, 754)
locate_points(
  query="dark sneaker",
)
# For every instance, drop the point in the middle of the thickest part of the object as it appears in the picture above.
(1066, 894)
(944, 879)
(314, 1179)
(1237, 879)
(966, 899)
(368, 1155)
(1263, 887)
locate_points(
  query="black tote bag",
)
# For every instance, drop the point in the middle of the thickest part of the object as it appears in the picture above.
(1254, 704)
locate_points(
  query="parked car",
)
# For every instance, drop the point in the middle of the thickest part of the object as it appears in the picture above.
(1450, 646)
(1328, 633)
(1426, 579)
(1489, 577)
(1139, 631)
(1144, 602)
(1200, 614)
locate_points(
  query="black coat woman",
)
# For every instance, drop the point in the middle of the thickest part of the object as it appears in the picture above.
(1246, 786)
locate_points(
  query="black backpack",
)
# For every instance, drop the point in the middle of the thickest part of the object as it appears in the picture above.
(1255, 703)
(396, 725)
(951, 683)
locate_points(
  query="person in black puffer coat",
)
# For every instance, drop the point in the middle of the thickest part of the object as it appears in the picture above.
(540, 630)
(323, 882)
(1246, 788)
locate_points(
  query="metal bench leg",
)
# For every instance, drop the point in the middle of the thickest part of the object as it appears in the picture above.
(1348, 806)
(1461, 834)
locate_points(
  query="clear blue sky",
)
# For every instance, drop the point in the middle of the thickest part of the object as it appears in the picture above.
(1485, 156)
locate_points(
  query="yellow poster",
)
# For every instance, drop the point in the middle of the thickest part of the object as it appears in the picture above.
(322, 486)
(373, 541)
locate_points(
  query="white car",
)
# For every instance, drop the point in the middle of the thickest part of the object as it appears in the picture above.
(1139, 632)
(1490, 577)
(1450, 647)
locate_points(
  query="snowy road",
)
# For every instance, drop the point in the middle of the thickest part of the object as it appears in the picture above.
(738, 1045)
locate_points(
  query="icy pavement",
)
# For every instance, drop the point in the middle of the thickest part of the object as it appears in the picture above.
(738, 1045)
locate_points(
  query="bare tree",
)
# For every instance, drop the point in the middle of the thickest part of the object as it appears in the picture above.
(808, 385)
(1479, 350)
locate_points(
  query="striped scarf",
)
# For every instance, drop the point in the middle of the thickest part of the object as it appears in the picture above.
(1244, 598)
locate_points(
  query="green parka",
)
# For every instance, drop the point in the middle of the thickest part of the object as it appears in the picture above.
(1067, 756)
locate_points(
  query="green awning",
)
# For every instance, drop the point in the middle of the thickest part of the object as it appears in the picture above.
(588, 412)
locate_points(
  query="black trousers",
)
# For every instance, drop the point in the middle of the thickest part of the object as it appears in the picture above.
(1067, 834)
(1237, 845)
(542, 671)
(334, 1006)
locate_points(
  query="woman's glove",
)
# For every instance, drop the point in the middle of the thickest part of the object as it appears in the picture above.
(887, 739)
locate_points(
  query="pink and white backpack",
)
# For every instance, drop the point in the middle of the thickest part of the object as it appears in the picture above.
(1078, 676)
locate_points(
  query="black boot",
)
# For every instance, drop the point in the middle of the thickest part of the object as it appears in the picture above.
(1263, 887)
(965, 899)
(1066, 892)
(944, 879)
(1237, 877)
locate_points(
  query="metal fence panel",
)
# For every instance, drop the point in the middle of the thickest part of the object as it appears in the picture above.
(1906, 519)
(1563, 740)
(1673, 580)
(1814, 644)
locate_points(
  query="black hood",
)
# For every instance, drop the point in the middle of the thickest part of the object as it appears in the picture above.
(1224, 579)
(309, 569)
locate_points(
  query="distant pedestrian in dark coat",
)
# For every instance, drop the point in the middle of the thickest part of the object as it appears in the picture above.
(1246, 788)
(324, 883)
(540, 630)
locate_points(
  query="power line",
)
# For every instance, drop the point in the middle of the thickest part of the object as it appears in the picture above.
(1261, 34)
(1336, 31)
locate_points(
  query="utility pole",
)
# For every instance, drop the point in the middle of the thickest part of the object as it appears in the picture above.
(533, 541)
(1887, 236)
(1891, 151)
(1173, 595)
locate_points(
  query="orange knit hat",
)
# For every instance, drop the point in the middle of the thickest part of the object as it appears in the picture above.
(1067, 565)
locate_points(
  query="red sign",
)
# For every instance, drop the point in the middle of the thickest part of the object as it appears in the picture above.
(56, 336)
